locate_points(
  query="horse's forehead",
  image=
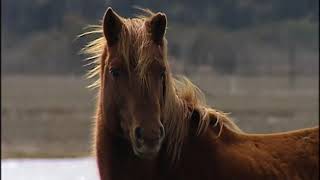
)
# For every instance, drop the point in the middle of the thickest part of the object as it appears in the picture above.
(140, 49)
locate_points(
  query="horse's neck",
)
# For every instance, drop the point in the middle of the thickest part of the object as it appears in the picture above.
(200, 154)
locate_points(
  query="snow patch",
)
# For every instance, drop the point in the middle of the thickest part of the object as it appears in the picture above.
(49, 169)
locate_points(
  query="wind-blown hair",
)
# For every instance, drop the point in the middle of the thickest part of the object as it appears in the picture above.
(182, 97)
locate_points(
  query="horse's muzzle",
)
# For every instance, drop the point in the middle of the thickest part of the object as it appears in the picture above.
(145, 147)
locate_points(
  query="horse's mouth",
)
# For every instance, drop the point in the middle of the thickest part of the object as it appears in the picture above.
(146, 155)
(147, 152)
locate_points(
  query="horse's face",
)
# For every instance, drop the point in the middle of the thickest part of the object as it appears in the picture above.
(136, 99)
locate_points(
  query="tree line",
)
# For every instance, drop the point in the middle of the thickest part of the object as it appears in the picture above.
(39, 35)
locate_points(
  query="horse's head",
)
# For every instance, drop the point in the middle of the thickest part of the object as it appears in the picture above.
(133, 78)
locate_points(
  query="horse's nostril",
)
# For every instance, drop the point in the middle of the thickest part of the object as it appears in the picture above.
(161, 132)
(139, 133)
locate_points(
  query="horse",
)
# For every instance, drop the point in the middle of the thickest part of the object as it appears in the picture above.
(152, 125)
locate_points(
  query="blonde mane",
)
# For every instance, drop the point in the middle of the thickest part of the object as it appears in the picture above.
(181, 97)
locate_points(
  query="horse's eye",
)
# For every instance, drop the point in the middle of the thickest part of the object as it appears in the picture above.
(114, 72)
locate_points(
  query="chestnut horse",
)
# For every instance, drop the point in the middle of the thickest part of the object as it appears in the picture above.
(152, 126)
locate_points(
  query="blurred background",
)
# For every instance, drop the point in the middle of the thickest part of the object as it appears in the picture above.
(258, 60)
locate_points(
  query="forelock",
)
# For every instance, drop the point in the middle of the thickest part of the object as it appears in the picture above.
(137, 49)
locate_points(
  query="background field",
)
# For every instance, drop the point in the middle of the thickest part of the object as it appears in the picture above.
(51, 116)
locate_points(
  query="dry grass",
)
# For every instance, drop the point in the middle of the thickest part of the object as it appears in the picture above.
(52, 116)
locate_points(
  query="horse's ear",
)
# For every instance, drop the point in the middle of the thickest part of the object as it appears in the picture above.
(157, 27)
(112, 25)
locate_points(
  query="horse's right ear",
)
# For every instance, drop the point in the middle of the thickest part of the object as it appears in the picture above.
(112, 25)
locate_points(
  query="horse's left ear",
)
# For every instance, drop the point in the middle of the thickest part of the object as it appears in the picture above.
(157, 27)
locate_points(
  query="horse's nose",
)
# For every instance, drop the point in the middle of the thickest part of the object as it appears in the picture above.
(157, 135)
(139, 134)
(162, 133)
